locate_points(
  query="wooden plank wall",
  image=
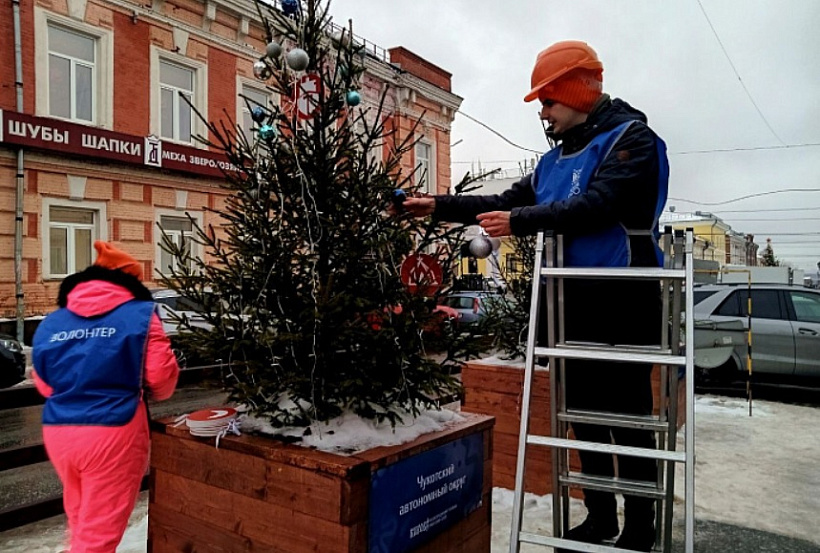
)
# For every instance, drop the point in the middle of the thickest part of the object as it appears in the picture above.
(497, 390)
(255, 494)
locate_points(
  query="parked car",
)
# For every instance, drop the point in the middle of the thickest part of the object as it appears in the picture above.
(176, 302)
(12, 361)
(171, 308)
(471, 306)
(443, 316)
(785, 323)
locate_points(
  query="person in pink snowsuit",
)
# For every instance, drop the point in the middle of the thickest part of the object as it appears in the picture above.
(95, 359)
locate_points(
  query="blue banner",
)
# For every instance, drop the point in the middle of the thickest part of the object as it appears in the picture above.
(416, 499)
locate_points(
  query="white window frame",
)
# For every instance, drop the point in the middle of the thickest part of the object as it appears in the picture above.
(103, 74)
(200, 94)
(376, 153)
(196, 249)
(431, 185)
(99, 231)
(241, 108)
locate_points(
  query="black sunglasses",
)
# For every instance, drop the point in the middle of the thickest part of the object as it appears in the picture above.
(548, 103)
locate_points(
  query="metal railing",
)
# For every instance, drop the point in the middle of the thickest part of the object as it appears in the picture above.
(27, 455)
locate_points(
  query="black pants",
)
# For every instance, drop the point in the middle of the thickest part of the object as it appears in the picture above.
(629, 392)
(613, 312)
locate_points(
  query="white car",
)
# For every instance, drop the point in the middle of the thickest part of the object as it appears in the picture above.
(785, 324)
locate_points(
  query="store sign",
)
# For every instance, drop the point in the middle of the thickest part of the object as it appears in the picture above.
(416, 499)
(43, 133)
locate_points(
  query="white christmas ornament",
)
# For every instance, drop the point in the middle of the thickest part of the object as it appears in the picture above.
(297, 59)
(273, 49)
(481, 247)
(341, 38)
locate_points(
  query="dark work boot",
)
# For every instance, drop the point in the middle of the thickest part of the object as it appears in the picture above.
(639, 524)
(593, 530)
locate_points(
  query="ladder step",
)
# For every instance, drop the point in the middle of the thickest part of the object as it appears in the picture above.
(647, 273)
(645, 422)
(564, 443)
(615, 485)
(569, 545)
(616, 354)
(617, 347)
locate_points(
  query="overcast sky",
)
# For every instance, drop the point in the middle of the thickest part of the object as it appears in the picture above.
(663, 57)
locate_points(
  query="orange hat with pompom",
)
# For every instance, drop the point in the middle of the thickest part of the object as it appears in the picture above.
(110, 257)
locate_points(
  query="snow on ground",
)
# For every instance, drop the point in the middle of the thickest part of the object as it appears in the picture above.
(757, 472)
(761, 471)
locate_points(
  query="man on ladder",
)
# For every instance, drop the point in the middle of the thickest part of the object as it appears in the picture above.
(603, 186)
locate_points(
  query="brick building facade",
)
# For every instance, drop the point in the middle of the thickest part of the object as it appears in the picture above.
(107, 147)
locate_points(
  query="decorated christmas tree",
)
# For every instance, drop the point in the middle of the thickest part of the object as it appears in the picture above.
(767, 257)
(319, 297)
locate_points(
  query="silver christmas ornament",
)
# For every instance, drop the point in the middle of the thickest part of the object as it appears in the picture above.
(260, 70)
(481, 247)
(273, 49)
(297, 59)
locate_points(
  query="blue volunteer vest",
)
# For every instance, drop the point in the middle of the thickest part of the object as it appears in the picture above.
(558, 177)
(94, 365)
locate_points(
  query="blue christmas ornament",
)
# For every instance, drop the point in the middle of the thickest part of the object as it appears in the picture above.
(353, 98)
(258, 114)
(267, 133)
(398, 198)
(290, 8)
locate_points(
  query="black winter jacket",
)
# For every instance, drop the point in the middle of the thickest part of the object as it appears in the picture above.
(624, 190)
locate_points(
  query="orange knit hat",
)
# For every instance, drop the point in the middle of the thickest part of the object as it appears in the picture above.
(110, 257)
(578, 89)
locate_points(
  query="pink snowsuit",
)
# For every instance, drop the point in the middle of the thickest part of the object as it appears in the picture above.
(101, 467)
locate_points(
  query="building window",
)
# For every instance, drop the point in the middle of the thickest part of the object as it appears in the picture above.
(71, 234)
(72, 60)
(251, 97)
(513, 264)
(425, 168)
(363, 124)
(178, 231)
(178, 83)
(73, 66)
(176, 90)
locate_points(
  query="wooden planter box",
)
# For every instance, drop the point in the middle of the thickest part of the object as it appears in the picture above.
(257, 494)
(496, 389)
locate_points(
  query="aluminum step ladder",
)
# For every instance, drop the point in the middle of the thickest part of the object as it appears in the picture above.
(674, 278)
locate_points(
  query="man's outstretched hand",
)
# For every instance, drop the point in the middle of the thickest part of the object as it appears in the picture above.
(421, 206)
(495, 223)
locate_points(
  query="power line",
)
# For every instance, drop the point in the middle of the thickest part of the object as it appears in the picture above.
(784, 146)
(749, 149)
(726, 53)
(767, 210)
(490, 161)
(498, 134)
(769, 234)
(797, 242)
(739, 198)
(744, 220)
